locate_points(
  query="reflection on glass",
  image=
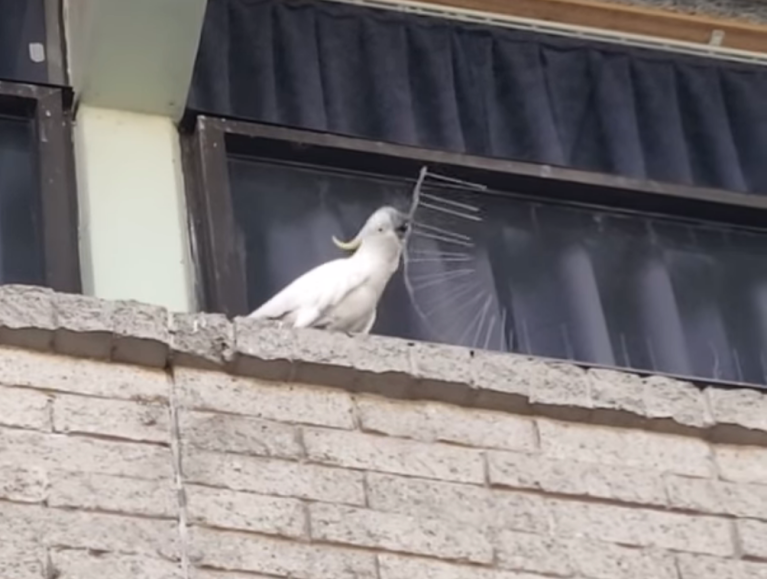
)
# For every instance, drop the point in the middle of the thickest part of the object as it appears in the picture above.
(537, 278)
(21, 258)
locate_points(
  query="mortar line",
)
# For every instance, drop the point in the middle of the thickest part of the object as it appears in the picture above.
(175, 444)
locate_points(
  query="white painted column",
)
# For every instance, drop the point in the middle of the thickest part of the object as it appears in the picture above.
(133, 227)
(131, 65)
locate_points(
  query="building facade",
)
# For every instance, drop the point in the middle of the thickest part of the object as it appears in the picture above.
(567, 376)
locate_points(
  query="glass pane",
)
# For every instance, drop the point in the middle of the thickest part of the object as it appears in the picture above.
(21, 258)
(498, 271)
(22, 24)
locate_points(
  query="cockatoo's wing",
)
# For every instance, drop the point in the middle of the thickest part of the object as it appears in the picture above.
(313, 294)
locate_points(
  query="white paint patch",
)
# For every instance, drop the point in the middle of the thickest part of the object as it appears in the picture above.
(36, 52)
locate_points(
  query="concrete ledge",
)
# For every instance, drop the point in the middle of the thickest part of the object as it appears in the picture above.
(136, 333)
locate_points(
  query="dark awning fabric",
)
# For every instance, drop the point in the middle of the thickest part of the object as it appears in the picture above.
(485, 90)
(22, 22)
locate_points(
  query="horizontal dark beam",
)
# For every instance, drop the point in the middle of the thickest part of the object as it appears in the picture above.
(544, 182)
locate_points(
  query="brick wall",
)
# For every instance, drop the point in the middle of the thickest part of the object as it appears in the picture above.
(138, 444)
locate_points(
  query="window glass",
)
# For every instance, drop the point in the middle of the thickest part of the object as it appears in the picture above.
(21, 259)
(22, 24)
(498, 271)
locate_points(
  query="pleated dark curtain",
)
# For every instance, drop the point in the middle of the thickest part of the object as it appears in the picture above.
(487, 91)
(640, 293)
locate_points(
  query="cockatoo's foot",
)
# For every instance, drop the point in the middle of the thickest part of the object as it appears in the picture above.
(350, 334)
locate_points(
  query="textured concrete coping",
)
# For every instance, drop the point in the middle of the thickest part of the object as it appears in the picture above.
(141, 334)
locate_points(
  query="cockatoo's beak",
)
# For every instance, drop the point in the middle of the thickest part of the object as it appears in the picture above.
(352, 245)
(403, 224)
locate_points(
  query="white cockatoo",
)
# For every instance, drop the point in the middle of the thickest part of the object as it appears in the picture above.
(343, 294)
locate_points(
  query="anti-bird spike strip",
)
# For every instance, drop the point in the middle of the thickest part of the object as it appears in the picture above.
(457, 282)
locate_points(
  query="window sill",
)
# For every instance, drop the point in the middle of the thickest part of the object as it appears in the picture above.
(140, 334)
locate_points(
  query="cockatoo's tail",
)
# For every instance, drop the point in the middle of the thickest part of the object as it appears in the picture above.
(385, 219)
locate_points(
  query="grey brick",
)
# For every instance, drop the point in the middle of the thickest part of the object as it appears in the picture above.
(430, 421)
(613, 390)
(118, 418)
(80, 376)
(462, 504)
(581, 558)
(717, 497)
(26, 316)
(241, 552)
(459, 503)
(213, 391)
(112, 493)
(263, 349)
(61, 452)
(208, 574)
(679, 401)
(274, 477)
(226, 509)
(696, 567)
(742, 407)
(522, 512)
(742, 464)
(324, 358)
(643, 528)
(201, 339)
(502, 380)
(527, 471)
(442, 372)
(366, 451)
(239, 434)
(393, 532)
(140, 334)
(22, 560)
(24, 408)
(55, 528)
(556, 384)
(399, 567)
(23, 483)
(383, 365)
(599, 560)
(84, 326)
(79, 564)
(530, 552)
(752, 538)
(118, 534)
(623, 447)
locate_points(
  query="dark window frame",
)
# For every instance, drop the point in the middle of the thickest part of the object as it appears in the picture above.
(207, 141)
(50, 110)
(55, 49)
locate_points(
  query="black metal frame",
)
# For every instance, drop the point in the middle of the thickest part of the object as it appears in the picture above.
(207, 141)
(49, 108)
(55, 49)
